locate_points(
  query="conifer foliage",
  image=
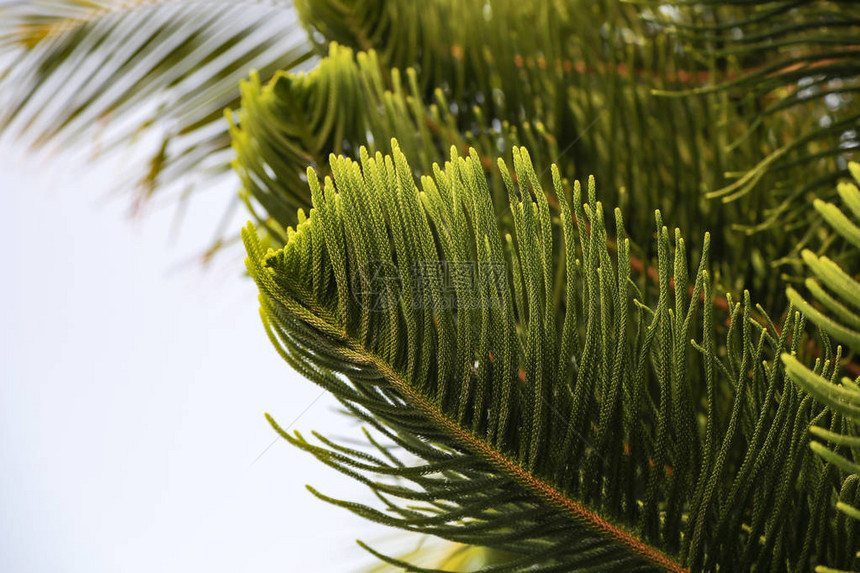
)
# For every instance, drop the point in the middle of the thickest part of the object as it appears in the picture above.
(467, 225)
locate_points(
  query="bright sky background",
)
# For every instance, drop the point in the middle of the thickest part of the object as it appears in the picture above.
(132, 390)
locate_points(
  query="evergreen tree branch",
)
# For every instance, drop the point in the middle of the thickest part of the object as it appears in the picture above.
(562, 398)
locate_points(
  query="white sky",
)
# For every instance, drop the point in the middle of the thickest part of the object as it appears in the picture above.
(132, 391)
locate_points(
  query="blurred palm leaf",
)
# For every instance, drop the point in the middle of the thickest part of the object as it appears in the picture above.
(96, 74)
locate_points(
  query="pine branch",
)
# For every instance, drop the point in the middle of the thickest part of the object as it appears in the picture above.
(507, 465)
(797, 62)
(555, 396)
(836, 297)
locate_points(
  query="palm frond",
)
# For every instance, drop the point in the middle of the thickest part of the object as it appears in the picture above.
(555, 407)
(95, 74)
